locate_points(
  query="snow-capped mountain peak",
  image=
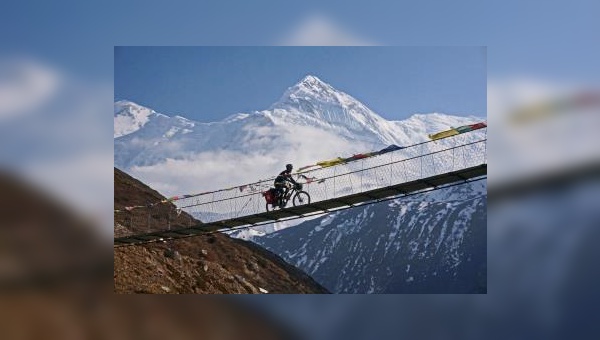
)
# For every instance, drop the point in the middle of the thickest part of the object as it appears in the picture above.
(130, 117)
(310, 88)
(312, 102)
(130, 107)
(314, 84)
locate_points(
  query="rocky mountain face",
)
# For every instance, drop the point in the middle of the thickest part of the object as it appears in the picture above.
(212, 263)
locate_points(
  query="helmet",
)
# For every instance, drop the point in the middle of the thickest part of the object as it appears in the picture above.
(289, 167)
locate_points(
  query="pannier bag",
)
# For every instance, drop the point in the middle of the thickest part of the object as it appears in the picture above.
(269, 196)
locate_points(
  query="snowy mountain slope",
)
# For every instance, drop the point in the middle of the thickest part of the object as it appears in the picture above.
(248, 146)
(413, 245)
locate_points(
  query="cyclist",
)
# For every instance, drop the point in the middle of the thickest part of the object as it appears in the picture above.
(281, 188)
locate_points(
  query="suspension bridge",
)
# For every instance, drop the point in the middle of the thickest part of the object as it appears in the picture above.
(407, 171)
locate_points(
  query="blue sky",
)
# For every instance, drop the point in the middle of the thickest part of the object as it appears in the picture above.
(210, 83)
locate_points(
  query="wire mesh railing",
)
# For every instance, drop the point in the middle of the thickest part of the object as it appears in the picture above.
(404, 165)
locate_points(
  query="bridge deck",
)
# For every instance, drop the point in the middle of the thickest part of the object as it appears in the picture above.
(313, 208)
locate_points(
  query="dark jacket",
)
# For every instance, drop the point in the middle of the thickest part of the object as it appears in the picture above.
(285, 175)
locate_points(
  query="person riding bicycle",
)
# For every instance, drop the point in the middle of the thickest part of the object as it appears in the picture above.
(280, 183)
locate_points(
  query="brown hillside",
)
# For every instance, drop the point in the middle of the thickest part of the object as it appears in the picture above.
(212, 263)
(131, 192)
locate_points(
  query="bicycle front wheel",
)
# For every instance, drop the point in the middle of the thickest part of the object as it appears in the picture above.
(301, 198)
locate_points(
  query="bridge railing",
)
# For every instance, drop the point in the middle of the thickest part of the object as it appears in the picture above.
(152, 218)
(412, 163)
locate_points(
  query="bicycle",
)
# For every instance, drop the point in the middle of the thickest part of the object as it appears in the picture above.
(295, 193)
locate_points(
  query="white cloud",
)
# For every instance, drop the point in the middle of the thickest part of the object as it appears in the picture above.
(205, 171)
(319, 30)
(212, 170)
(25, 86)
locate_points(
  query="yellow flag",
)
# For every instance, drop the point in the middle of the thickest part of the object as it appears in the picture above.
(443, 134)
(331, 162)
